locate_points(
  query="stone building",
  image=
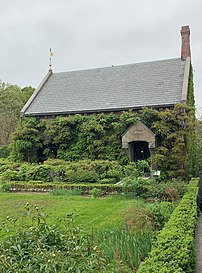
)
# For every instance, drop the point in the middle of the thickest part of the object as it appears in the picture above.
(156, 84)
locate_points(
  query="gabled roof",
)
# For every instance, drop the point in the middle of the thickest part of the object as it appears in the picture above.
(116, 88)
(138, 132)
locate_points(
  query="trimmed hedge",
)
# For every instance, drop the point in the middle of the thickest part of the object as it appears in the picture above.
(40, 186)
(174, 251)
(147, 189)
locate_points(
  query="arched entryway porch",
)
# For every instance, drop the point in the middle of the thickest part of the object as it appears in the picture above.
(140, 150)
(139, 142)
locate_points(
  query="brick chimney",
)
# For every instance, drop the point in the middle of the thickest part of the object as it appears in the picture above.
(185, 49)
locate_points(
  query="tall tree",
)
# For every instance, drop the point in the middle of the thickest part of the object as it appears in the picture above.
(12, 99)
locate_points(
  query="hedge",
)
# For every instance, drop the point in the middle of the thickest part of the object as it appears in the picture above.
(40, 186)
(102, 171)
(174, 251)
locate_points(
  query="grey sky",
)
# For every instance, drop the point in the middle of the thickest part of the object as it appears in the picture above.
(94, 33)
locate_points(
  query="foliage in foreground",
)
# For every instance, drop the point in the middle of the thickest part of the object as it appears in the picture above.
(125, 245)
(43, 248)
(132, 243)
(175, 248)
(52, 248)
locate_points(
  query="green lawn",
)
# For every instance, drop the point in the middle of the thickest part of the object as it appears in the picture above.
(98, 212)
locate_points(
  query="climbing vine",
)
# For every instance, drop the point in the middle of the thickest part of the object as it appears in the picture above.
(26, 141)
(171, 129)
(190, 97)
(194, 143)
(98, 136)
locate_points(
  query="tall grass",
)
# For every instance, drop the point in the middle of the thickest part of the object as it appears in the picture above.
(125, 246)
(130, 243)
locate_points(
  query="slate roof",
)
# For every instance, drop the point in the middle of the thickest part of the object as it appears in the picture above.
(132, 86)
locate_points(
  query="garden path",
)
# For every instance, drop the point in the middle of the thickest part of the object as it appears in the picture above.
(198, 268)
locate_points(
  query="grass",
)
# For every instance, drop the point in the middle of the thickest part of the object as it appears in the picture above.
(98, 212)
(101, 217)
(125, 245)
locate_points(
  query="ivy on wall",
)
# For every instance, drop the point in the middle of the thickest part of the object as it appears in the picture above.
(98, 136)
(194, 145)
(172, 129)
(26, 141)
(190, 97)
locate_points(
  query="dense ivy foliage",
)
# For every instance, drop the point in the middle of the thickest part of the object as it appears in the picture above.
(194, 144)
(190, 98)
(27, 140)
(98, 136)
(76, 137)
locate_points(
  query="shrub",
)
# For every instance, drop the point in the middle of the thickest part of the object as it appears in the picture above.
(74, 191)
(55, 162)
(114, 174)
(146, 188)
(107, 181)
(4, 151)
(82, 176)
(175, 248)
(162, 212)
(34, 171)
(171, 194)
(139, 217)
(22, 173)
(131, 169)
(8, 175)
(95, 192)
(5, 188)
(73, 172)
(60, 170)
(39, 247)
(152, 216)
(143, 166)
(129, 184)
(39, 172)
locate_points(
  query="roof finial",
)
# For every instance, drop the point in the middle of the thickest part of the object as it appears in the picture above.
(50, 59)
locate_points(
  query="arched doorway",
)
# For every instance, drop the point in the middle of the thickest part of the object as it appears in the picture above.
(139, 142)
(141, 150)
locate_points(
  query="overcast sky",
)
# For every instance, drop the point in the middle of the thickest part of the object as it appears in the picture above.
(94, 33)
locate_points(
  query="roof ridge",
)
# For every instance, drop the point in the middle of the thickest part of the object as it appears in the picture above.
(119, 65)
(147, 84)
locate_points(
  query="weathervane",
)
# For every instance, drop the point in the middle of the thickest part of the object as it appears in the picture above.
(50, 59)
